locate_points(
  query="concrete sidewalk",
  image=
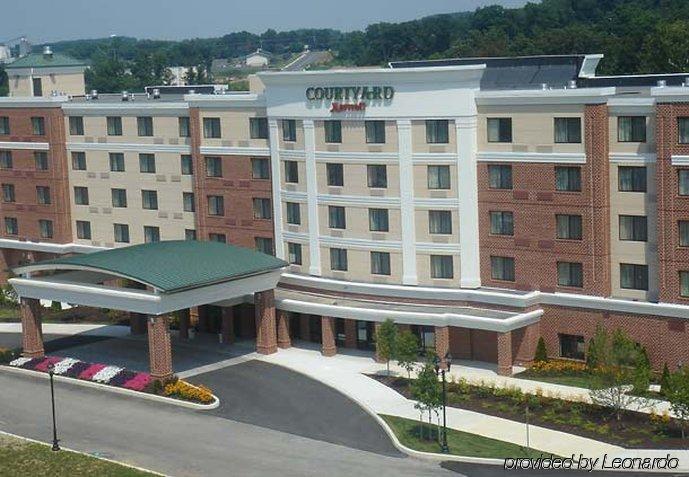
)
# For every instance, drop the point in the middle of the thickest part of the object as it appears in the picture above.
(114, 331)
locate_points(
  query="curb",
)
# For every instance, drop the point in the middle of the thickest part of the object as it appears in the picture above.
(123, 464)
(116, 390)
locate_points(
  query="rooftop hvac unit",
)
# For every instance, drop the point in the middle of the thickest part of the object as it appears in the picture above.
(662, 83)
(94, 94)
(572, 84)
(156, 93)
(125, 96)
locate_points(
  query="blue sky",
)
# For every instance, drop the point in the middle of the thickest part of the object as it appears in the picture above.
(51, 20)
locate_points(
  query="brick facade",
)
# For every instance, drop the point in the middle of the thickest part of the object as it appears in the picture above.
(266, 327)
(283, 324)
(32, 333)
(160, 347)
(328, 346)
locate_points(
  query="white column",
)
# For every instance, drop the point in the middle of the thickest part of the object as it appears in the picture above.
(312, 197)
(409, 276)
(275, 176)
(467, 186)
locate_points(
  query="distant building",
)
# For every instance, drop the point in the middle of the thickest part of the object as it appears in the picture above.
(5, 54)
(46, 74)
(257, 59)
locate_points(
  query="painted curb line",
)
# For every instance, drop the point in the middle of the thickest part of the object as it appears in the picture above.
(123, 464)
(116, 390)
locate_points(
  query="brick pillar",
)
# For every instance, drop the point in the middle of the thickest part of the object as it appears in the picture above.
(376, 356)
(305, 327)
(442, 342)
(266, 331)
(227, 325)
(32, 334)
(350, 333)
(328, 346)
(194, 316)
(137, 323)
(159, 347)
(505, 353)
(284, 340)
(184, 324)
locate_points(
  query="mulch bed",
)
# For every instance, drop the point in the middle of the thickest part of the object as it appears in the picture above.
(635, 430)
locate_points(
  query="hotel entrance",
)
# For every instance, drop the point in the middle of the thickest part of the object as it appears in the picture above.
(365, 335)
(426, 337)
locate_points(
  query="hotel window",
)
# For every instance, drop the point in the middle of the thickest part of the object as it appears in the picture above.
(79, 161)
(333, 131)
(41, 160)
(262, 208)
(260, 168)
(43, 194)
(216, 205)
(11, 226)
(502, 268)
(567, 130)
(633, 276)
(682, 178)
(83, 230)
(380, 263)
(336, 217)
(76, 125)
(683, 226)
(293, 213)
(570, 274)
(683, 130)
(5, 159)
(151, 234)
(568, 179)
(149, 199)
(631, 179)
(187, 165)
(184, 126)
(378, 220)
(499, 129)
(4, 125)
(188, 201)
(8, 193)
(291, 172)
(147, 163)
(264, 245)
(189, 234)
(572, 346)
(338, 259)
(114, 125)
(121, 233)
(441, 266)
(377, 176)
(214, 237)
(684, 284)
(501, 223)
(45, 228)
(500, 176)
(437, 131)
(568, 227)
(119, 197)
(81, 196)
(375, 132)
(213, 167)
(631, 129)
(258, 128)
(294, 253)
(634, 228)
(335, 174)
(439, 222)
(116, 162)
(37, 84)
(144, 126)
(289, 130)
(439, 177)
(38, 126)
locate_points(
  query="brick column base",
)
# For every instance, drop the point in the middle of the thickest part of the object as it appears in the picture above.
(284, 341)
(505, 353)
(184, 324)
(350, 333)
(227, 325)
(266, 332)
(32, 333)
(328, 346)
(160, 347)
(442, 343)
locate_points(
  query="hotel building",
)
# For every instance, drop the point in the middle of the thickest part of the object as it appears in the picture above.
(481, 203)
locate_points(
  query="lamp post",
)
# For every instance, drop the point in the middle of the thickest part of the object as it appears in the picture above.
(56, 446)
(447, 361)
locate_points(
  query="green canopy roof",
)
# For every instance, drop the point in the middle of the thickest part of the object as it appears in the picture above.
(169, 266)
(39, 60)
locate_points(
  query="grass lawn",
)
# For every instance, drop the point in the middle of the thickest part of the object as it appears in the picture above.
(460, 443)
(19, 458)
(579, 381)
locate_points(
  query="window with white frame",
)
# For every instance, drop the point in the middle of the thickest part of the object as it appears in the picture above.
(380, 263)
(439, 177)
(441, 266)
(378, 220)
(439, 222)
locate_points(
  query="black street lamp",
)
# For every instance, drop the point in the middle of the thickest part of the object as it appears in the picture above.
(56, 446)
(440, 368)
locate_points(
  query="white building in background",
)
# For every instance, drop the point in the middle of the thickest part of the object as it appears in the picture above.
(257, 59)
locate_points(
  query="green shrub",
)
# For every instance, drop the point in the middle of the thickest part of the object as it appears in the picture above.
(665, 380)
(541, 355)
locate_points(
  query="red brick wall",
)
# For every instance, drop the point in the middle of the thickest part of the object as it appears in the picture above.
(534, 203)
(670, 205)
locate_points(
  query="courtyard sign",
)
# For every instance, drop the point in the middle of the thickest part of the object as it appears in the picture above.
(349, 98)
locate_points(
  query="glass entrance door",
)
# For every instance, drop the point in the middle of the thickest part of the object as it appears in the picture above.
(365, 332)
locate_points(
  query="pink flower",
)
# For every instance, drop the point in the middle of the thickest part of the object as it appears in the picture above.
(138, 382)
(43, 365)
(91, 371)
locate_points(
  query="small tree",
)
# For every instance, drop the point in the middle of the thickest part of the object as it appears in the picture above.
(665, 379)
(427, 391)
(386, 337)
(678, 395)
(407, 351)
(541, 355)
